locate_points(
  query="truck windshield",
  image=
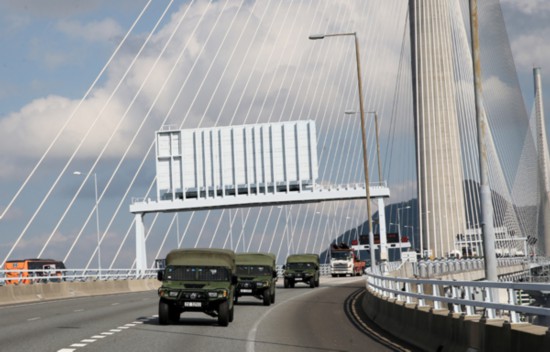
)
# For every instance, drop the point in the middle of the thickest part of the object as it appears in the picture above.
(196, 273)
(340, 255)
(300, 265)
(254, 270)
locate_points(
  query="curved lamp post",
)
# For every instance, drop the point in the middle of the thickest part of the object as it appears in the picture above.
(363, 133)
(96, 221)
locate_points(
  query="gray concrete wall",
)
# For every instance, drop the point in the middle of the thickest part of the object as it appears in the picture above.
(437, 330)
(12, 294)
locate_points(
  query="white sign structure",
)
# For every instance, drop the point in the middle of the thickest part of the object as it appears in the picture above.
(248, 159)
(239, 166)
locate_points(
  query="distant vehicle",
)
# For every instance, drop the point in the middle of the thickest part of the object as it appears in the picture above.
(454, 254)
(257, 276)
(343, 261)
(197, 280)
(29, 271)
(301, 268)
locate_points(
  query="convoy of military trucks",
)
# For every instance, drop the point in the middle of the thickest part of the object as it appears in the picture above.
(211, 281)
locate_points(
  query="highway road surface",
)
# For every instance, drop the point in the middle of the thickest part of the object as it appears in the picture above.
(301, 320)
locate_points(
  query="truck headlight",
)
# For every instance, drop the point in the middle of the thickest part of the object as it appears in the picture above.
(218, 294)
(261, 284)
(173, 294)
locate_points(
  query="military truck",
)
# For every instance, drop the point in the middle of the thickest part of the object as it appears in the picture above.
(197, 280)
(301, 268)
(257, 276)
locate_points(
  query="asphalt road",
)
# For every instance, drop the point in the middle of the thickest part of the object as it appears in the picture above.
(302, 319)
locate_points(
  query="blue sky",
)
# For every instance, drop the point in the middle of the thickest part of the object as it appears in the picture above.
(57, 47)
(52, 50)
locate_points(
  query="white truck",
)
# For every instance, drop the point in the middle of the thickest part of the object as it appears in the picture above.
(343, 261)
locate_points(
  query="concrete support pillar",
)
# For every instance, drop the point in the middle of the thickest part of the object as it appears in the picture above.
(543, 157)
(382, 229)
(439, 160)
(141, 253)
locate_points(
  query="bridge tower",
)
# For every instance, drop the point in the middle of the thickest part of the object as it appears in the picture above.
(543, 159)
(439, 157)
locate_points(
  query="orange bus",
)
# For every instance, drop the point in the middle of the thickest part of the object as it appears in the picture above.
(28, 271)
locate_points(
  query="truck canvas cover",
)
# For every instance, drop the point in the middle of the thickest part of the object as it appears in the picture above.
(267, 259)
(302, 258)
(202, 257)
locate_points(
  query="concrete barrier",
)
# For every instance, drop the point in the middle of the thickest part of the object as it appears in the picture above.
(12, 294)
(438, 330)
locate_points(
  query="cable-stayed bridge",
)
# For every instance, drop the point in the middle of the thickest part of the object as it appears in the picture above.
(214, 65)
(205, 64)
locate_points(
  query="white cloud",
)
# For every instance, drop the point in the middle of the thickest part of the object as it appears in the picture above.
(95, 31)
(29, 132)
(528, 6)
(321, 74)
(532, 49)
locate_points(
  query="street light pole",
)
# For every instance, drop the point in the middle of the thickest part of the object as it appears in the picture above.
(377, 145)
(96, 221)
(412, 228)
(363, 134)
(399, 231)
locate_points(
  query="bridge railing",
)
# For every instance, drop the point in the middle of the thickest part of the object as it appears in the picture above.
(74, 275)
(432, 268)
(465, 297)
(71, 275)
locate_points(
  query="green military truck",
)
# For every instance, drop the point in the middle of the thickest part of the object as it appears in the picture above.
(257, 276)
(197, 280)
(301, 268)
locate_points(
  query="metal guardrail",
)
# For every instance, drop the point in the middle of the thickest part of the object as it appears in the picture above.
(431, 268)
(464, 297)
(71, 275)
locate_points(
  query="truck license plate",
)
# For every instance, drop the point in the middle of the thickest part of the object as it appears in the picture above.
(192, 304)
(246, 290)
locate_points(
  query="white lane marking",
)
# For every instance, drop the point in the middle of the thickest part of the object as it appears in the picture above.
(98, 337)
(137, 322)
(88, 340)
(35, 318)
(115, 304)
(123, 327)
(78, 345)
(115, 330)
(107, 333)
(130, 325)
(78, 310)
(66, 350)
(251, 338)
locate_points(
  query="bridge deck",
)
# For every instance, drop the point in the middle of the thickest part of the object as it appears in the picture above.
(316, 194)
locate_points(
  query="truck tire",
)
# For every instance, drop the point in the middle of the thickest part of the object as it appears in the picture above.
(266, 298)
(174, 315)
(317, 283)
(312, 282)
(273, 297)
(333, 275)
(223, 314)
(286, 283)
(164, 313)
(291, 284)
(231, 314)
